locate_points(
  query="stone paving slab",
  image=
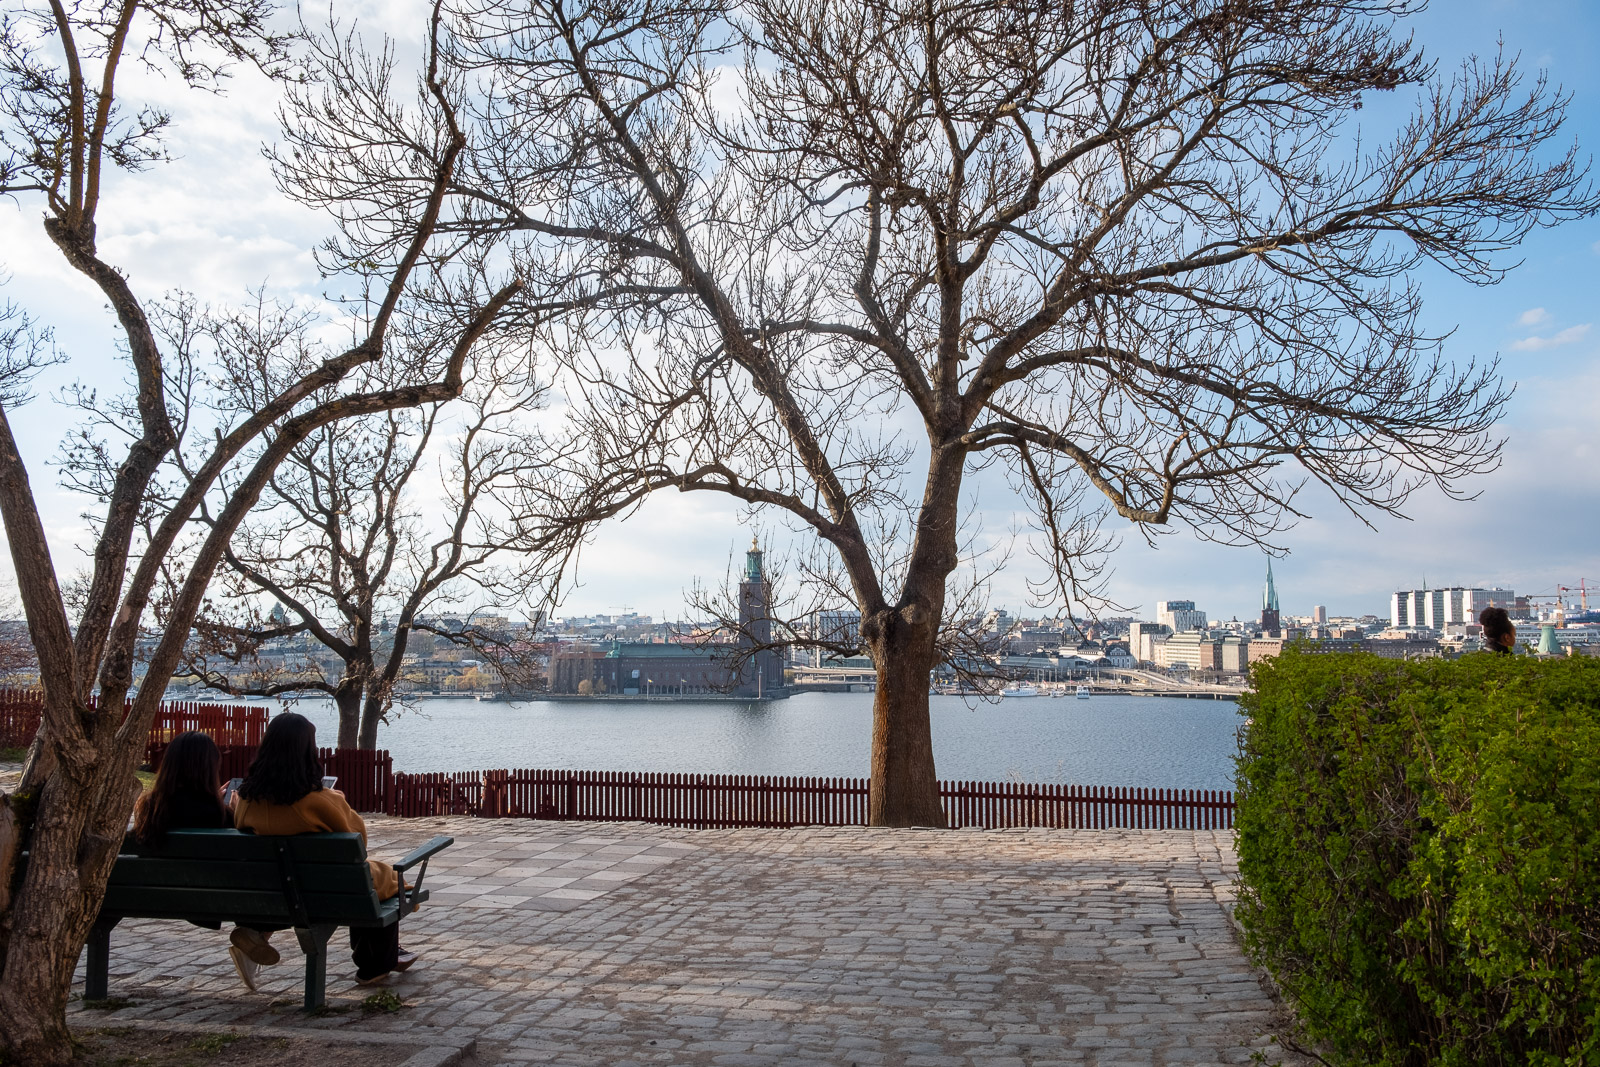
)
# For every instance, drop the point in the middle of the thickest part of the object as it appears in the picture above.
(749, 948)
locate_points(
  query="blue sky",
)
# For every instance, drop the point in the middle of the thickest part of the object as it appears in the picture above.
(213, 224)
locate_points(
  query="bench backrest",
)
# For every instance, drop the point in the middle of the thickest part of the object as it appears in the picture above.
(225, 875)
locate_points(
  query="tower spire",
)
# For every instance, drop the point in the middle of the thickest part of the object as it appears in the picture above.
(1270, 619)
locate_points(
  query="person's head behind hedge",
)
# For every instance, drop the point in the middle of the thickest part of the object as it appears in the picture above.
(1498, 630)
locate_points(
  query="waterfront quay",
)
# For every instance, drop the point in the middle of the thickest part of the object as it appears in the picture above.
(589, 945)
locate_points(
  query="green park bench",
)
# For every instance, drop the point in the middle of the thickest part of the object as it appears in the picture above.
(313, 883)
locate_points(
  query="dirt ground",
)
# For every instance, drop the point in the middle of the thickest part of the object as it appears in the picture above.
(126, 1046)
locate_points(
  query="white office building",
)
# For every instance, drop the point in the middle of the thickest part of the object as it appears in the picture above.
(1436, 609)
(1180, 615)
(1143, 637)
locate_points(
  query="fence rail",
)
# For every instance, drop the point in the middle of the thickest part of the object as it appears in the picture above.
(720, 800)
(21, 711)
(995, 805)
(365, 778)
(703, 801)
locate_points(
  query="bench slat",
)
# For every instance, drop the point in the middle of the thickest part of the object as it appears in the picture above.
(231, 845)
(237, 874)
(149, 902)
(225, 905)
(315, 878)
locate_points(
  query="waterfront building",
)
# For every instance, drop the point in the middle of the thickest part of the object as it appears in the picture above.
(1036, 639)
(1117, 655)
(835, 627)
(1180, 615)
(1194, 649)
(1233, 653)
(747, 666)
(1142, 638)
(997, 621)
(1261, 648)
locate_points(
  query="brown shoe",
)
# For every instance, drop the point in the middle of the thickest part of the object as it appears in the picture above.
(373, 979)
(254, 944)
(404, 961)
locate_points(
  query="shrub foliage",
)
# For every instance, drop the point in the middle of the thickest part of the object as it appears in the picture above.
(1419, 855)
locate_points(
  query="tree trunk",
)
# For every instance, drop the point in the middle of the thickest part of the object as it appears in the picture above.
(372, 710)
(905, 789)
(72, 846)
(347, 698)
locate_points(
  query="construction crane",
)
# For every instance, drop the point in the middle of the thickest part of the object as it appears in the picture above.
(1583, 594)
(1561, 615)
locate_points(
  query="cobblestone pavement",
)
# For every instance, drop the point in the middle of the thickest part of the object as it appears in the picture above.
(610, 944)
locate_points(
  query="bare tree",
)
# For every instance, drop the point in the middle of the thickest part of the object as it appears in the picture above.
(366, 532)
(64, 126)
(1134, 255)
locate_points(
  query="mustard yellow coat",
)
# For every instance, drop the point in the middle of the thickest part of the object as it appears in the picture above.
(324, 811)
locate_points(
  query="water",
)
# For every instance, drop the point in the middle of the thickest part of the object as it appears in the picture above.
(1106, 740)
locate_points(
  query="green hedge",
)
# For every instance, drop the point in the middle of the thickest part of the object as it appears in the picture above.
(1419, 854)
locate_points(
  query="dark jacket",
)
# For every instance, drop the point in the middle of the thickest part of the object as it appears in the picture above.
(191, 810)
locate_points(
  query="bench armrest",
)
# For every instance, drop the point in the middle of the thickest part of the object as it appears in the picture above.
(420, 854)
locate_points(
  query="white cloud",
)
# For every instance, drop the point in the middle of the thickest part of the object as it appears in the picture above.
(1565, 337)
(1534, 317)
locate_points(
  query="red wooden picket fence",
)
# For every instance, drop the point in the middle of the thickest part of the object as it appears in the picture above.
(227, 724)
(705, 801)
(365, 778)
(368, 780)
(996, 805)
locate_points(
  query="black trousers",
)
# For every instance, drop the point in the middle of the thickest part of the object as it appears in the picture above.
(375, 949)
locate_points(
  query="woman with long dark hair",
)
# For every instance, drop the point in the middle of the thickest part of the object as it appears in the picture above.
(282, 795)
(187, 795)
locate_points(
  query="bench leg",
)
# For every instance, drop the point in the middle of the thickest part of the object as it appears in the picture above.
(96, 977)
(314, 943)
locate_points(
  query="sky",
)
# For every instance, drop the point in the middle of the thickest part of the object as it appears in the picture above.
(212, 223)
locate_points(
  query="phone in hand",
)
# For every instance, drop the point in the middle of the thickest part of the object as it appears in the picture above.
(230, 791)
(328, 781)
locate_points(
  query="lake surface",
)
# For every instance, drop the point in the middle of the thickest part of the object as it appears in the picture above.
(1106, 740)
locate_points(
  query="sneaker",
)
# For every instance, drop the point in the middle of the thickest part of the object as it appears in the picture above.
(246, 967)
(404, 961)
(254, 944)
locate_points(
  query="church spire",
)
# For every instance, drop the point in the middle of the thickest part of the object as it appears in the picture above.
(1271, 621)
